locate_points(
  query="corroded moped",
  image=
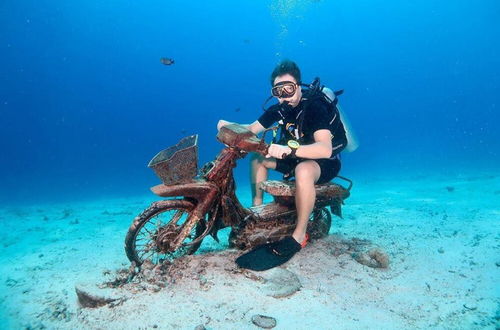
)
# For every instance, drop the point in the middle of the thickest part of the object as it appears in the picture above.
(201, 205)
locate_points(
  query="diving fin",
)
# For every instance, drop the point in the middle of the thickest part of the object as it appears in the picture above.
(269, 255)
(214, 235)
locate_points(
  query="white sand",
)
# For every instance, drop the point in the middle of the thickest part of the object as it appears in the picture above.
(444, 273)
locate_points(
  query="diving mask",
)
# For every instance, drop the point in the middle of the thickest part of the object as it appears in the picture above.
(284, 89)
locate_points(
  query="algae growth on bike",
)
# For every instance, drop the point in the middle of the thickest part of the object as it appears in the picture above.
(310, 133)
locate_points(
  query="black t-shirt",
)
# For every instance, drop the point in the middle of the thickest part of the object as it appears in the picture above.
(310, 115)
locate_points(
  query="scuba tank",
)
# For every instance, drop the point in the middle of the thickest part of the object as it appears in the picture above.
(352, 141)
(331, 97)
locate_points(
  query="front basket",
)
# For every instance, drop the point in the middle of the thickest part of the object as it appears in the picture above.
(177, 164)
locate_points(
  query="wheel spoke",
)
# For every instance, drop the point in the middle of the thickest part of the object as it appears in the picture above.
(147, 230)
(145, 253)
(177, 216)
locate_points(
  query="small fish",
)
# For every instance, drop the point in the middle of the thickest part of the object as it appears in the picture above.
(237, 110)
(166, 61)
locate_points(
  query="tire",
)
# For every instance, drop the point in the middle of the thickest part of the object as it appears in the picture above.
(319, 223)
(161, 222)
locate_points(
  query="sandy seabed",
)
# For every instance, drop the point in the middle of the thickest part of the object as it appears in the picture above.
(442, 236)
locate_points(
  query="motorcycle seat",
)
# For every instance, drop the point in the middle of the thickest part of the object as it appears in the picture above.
(287, 189)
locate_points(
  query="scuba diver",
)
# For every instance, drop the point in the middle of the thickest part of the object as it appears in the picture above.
(312, 137)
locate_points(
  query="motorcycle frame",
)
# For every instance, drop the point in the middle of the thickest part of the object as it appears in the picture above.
(215, 192)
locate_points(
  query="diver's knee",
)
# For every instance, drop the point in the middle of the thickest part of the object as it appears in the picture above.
(259, 167)
(307, 172)
(256, 160)
(269, 163)
(259, 161)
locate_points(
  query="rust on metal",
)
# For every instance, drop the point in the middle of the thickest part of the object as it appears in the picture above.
(177, 164)
(196, 189)
(287, 189)
(211, 202)
(241, 138)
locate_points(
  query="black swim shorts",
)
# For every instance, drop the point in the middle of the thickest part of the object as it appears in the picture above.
(329, 167)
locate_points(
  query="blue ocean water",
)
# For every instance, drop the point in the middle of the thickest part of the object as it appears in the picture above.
(85, 102)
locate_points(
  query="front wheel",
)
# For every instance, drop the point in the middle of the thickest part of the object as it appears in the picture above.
(151, 234)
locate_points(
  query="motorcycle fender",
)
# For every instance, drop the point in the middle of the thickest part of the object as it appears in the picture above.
(203, 192)
(196, 190)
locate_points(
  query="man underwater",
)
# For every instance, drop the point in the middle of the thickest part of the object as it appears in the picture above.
(313, 135)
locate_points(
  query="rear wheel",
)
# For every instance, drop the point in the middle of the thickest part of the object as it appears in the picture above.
(153, 232)
(319, 223)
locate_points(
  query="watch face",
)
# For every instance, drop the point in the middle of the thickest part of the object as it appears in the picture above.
(293, 144)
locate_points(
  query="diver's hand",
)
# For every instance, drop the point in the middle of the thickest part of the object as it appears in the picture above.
(278, 151)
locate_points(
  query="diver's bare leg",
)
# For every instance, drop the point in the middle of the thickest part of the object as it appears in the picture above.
(258, 173)
(306, 174)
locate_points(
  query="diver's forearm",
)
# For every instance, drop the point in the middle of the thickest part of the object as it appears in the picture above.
(315, 150)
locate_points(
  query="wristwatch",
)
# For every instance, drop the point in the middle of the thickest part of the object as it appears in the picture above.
(294, 145)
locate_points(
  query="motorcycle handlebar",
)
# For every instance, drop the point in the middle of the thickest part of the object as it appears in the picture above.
(240, 137)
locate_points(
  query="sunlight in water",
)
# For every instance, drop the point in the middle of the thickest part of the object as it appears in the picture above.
(285, 13)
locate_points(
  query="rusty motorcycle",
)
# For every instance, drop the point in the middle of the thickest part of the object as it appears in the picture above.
(201, 203)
